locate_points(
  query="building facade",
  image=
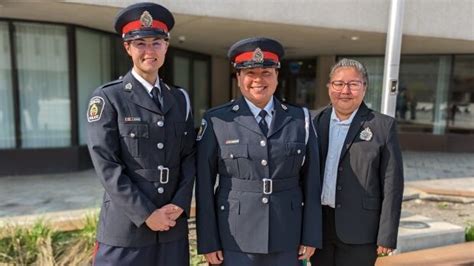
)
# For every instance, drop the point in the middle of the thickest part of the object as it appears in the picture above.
(54, 54)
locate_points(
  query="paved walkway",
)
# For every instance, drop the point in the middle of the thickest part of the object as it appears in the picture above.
(26, 195)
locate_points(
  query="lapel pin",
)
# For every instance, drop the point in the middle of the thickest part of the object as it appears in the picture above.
(366, 134)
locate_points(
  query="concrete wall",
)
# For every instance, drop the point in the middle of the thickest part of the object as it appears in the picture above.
(437, 18)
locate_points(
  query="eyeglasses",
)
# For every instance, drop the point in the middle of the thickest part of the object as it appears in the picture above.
(353, 85)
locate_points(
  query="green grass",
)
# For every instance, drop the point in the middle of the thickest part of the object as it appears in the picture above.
(40, 245)
(470, 231)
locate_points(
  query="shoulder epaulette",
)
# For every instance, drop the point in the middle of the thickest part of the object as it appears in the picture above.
(220, 106)
(113, 82)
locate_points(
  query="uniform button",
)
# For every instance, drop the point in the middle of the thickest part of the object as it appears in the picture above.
(302, 203)
(222, 207)
(132, 135)
(160, 190)
(160, 167)
(160, 123)
(160, 145)
(263, 143)
(338, 206)
(339, 187)
(264, 200)
(264, 162)
(231, 156)
(298, 151)
(185, 133)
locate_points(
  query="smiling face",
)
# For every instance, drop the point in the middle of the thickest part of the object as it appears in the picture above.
(258, 84)
(349, 98)
(148, 55)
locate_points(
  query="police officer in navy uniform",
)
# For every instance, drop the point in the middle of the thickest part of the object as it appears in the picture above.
(142, 144)
(266, 208)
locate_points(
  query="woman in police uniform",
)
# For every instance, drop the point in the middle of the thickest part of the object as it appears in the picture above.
(266, 209)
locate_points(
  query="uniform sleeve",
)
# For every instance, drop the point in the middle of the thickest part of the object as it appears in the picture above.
(207, 229)
(391, 172)
(312, 216)
(183, 195)
(104, 148)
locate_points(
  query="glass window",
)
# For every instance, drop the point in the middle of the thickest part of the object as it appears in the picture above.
(200, 89)
(182, 72)
(7, 120)
(43, 75)
(423, 93)
(297, 82)
(461, 96)
(374, 65)
(93, 69)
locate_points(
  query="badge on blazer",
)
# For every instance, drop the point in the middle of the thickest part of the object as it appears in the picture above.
(366, 134)
(94, 111)
(202, 129)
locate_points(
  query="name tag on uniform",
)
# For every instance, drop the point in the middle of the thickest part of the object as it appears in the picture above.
(232, 141)
(133, 119)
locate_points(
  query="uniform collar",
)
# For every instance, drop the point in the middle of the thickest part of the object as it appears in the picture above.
(255, 110)
(145, 83)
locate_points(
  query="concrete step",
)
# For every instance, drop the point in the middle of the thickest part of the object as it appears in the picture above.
(419, 232)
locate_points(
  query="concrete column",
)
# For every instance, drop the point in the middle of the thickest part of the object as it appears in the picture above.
(220, 75)
(324, 64)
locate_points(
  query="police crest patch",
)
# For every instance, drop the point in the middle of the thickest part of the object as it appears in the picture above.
(202, 129)
(94, 111)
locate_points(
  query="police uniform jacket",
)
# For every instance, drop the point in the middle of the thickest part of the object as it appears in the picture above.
(239, 216)
(135, 147)
(369, 188)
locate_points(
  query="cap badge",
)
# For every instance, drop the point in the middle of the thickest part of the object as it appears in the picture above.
(235, 108)
(257, 56)
(146, 19)
(284, 107)
(366, 134)
(128, 86)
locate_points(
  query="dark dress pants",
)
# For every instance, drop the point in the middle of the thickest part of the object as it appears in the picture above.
(235, 258)
(337, 253)
(174, 253)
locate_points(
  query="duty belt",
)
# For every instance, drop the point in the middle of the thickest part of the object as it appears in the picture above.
(265, 186)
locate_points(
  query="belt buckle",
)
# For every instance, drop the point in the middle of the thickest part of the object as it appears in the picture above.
(267, 186)
(164, 174)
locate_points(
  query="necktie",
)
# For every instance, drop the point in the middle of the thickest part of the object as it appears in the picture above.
(156, 96)
(263, 124)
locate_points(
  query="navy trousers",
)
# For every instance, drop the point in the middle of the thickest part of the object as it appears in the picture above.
(174, 253)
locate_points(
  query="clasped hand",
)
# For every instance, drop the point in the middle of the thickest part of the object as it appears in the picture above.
(164, 218)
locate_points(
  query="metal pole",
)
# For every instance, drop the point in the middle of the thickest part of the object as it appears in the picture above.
(392, 58)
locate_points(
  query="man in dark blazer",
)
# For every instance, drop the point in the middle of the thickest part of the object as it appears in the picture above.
(266, 209)
(142, 144)
(362, 170)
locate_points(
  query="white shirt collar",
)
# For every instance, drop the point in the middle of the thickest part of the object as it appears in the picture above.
(255, 110)
(347, 121)
(145, 83)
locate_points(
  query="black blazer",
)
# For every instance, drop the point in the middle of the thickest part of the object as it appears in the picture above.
(370, 178)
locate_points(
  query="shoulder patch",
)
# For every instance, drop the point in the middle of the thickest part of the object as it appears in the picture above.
(95, 109)
(202, 129)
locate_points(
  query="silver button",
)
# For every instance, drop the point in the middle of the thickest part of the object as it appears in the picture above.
(132, 135)
(302, 203)
(264, 162)
(161, 190)
(160, 145)
(185, 133)
(222, 207)
(263, 143)
(160, 123)
(231, 156)
(298, 151)
(264, 200)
